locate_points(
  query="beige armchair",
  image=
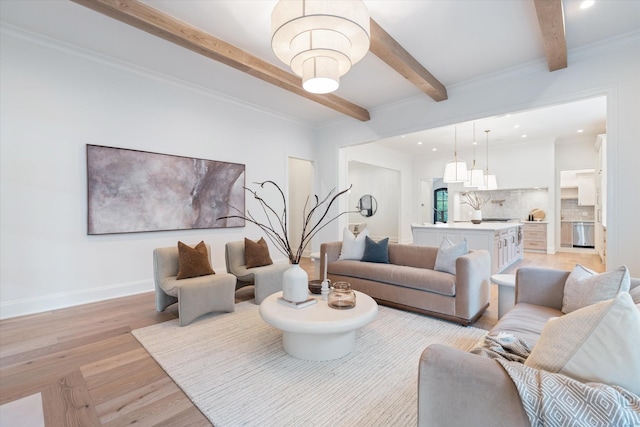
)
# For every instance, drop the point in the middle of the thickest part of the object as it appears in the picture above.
(195, 296)
(266, 280)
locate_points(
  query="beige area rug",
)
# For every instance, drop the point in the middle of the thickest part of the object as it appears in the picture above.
(233, 367)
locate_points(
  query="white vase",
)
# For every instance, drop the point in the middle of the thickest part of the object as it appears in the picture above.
(477, 216)
(295, 284)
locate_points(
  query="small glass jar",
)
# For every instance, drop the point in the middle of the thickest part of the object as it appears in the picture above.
(341, 296)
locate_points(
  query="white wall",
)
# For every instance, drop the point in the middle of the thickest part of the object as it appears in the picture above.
(389, 159)
(577, 153)
(609, 69)
(54, 101)
(383, 184)
(301, 199)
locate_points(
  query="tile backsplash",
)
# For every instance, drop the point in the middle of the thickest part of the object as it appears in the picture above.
(570, 210)
(513, 204)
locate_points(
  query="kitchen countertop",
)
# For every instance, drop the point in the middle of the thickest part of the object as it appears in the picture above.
(495, 226)
(577, 220)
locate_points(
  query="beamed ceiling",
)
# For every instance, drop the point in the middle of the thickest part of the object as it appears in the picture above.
(419, 48)
(149, 19)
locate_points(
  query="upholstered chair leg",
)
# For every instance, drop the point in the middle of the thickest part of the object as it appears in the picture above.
(194, 300)
(268, 280)
(163, 300)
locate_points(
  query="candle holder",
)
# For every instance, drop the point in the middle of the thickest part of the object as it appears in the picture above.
(324, 289)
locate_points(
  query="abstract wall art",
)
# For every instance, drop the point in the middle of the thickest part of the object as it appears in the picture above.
(136, 191)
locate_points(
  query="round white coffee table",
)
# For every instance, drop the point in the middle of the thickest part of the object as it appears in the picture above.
(318, 332)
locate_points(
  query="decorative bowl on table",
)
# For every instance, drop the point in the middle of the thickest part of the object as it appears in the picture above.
(315, 286)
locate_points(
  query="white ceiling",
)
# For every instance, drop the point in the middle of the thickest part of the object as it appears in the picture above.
(456, 40)
(559, 122)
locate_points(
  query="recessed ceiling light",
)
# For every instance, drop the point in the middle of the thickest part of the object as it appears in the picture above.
(524, 136)
(419, 142)
(434, 149)
(580, 130)
(516, 126)
(586, 4)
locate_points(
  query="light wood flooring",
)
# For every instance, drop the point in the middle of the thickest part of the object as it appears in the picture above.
(91, 371)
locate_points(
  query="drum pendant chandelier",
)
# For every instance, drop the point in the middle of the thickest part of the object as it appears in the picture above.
(320, 40)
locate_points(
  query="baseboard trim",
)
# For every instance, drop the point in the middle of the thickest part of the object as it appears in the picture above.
(26, 306)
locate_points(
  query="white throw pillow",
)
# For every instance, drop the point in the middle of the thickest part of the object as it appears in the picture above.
(584, 287)
(599, 343)
(352, 246)
(448, 253)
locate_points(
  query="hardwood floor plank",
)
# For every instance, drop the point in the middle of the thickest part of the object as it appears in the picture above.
(155, 412)
(113, 363)
(190, 417)
(135, 399)
(58, 347)
(66, 402)
(109, 385)
(31, 376)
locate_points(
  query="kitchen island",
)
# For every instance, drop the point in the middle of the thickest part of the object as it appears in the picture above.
(503, 240)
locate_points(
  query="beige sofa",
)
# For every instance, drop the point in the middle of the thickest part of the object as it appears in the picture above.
(457, 388)
(409, 281)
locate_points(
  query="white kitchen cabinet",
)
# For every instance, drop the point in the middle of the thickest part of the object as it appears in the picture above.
(500, 240)
(586, 189)
(569, 193)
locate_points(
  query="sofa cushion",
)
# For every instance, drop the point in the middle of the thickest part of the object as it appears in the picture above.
(193, 262)
(585, 287)
(413, 255)
(526, 321)
(597, 343)
(353, 246)
(409, 277)
(448, 253)
(256, 254)
(376, 251)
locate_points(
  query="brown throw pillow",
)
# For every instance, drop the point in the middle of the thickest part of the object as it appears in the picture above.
(256, 254)
(193, 262)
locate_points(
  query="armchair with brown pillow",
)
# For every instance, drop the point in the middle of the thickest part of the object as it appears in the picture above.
(183, 274)
(250, 262)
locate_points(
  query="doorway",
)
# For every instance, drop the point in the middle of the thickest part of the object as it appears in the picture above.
(300, 184)
(441, 205)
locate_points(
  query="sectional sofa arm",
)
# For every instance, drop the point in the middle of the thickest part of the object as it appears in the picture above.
(473, 272)
(456, 388)
(540, 286)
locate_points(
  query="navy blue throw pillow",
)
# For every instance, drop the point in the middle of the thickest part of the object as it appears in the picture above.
(376, 252)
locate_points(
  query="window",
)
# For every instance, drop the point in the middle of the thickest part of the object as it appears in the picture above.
(441, 202)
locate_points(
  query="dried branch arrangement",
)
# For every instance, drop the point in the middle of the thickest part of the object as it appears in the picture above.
(276, 227)
(474, 200)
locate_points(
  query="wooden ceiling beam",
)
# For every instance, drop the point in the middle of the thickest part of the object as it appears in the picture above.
(390, 51)
(551, 21)
(146, 18)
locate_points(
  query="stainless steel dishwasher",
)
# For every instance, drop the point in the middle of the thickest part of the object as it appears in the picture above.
(583, 235)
